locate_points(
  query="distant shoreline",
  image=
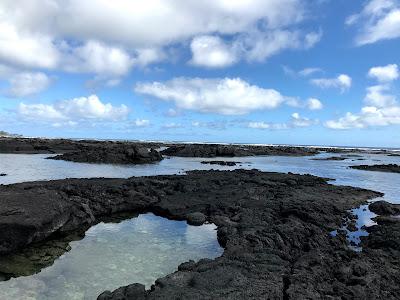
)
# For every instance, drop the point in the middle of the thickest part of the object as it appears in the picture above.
(363, 148)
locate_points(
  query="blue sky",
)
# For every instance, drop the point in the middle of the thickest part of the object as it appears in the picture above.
(251, 71)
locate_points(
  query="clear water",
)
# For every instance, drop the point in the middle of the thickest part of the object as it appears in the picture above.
(112, 255)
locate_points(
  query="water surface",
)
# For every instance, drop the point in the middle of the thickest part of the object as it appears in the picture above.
(111, 255)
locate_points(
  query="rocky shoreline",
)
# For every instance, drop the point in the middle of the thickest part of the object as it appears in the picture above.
(275, 229)
(217, 150)
(391, 168)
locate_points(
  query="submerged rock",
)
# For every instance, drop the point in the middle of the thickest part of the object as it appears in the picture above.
(221, 163)
(331, 158)
(391, 168)
(275, 230)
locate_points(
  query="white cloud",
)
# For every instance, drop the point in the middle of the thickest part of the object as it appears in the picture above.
(40, 112)
(379, 20)
(368, 117)
(98, 58)
(211, 51)
(299, 121)
(258, 46)
(169, 21)
(314, 104)
(100, 37)
(171, 125)
(385, 73)
(172, 113)
(309, 71)
(342, 82)
(259, 125)
(296, 121)
(382, 110)
(227, 96)
(141, 123)
(23, 84)
(27, 50)
(74, 110)
(303, 73)
(377, 96)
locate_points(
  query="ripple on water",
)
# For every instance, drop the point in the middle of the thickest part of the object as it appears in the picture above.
(111, 255)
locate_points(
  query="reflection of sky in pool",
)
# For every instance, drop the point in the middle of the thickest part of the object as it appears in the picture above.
(116, 254)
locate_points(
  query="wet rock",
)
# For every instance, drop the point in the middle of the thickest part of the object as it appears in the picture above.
(3, 174)
(215, 150)
(134, 291)
(391, 168)
(49, 146)
(115, 154)
(221, 163)
(352, 226)
(335, 158)
(384, 208)
(196, 219)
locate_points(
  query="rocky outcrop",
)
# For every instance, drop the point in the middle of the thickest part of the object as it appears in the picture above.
(391, 168)
(384, 208)
(112, 154)
(275, 230)
(215, 150)
(49, 146)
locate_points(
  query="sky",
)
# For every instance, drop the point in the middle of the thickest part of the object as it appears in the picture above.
(316, 72)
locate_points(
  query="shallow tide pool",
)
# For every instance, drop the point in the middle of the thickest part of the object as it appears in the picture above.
(111, 255)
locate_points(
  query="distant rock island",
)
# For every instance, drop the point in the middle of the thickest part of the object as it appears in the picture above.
(391, 168)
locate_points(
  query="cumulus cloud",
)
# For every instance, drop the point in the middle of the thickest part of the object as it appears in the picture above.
(296, 121)
(99, 37)
(377, 96)
(75, 110)
(368, 117)
(257, 46)
(98, 58)
(342, 82)
(314, 104)
(227, 96)
(25, 84)
(211, 51)
(379, 20)
(140, 123)
(24, 49)
(384, 74)
(381, 109)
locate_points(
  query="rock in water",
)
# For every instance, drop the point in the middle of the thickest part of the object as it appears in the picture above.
(391, 168)
(112, 154)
